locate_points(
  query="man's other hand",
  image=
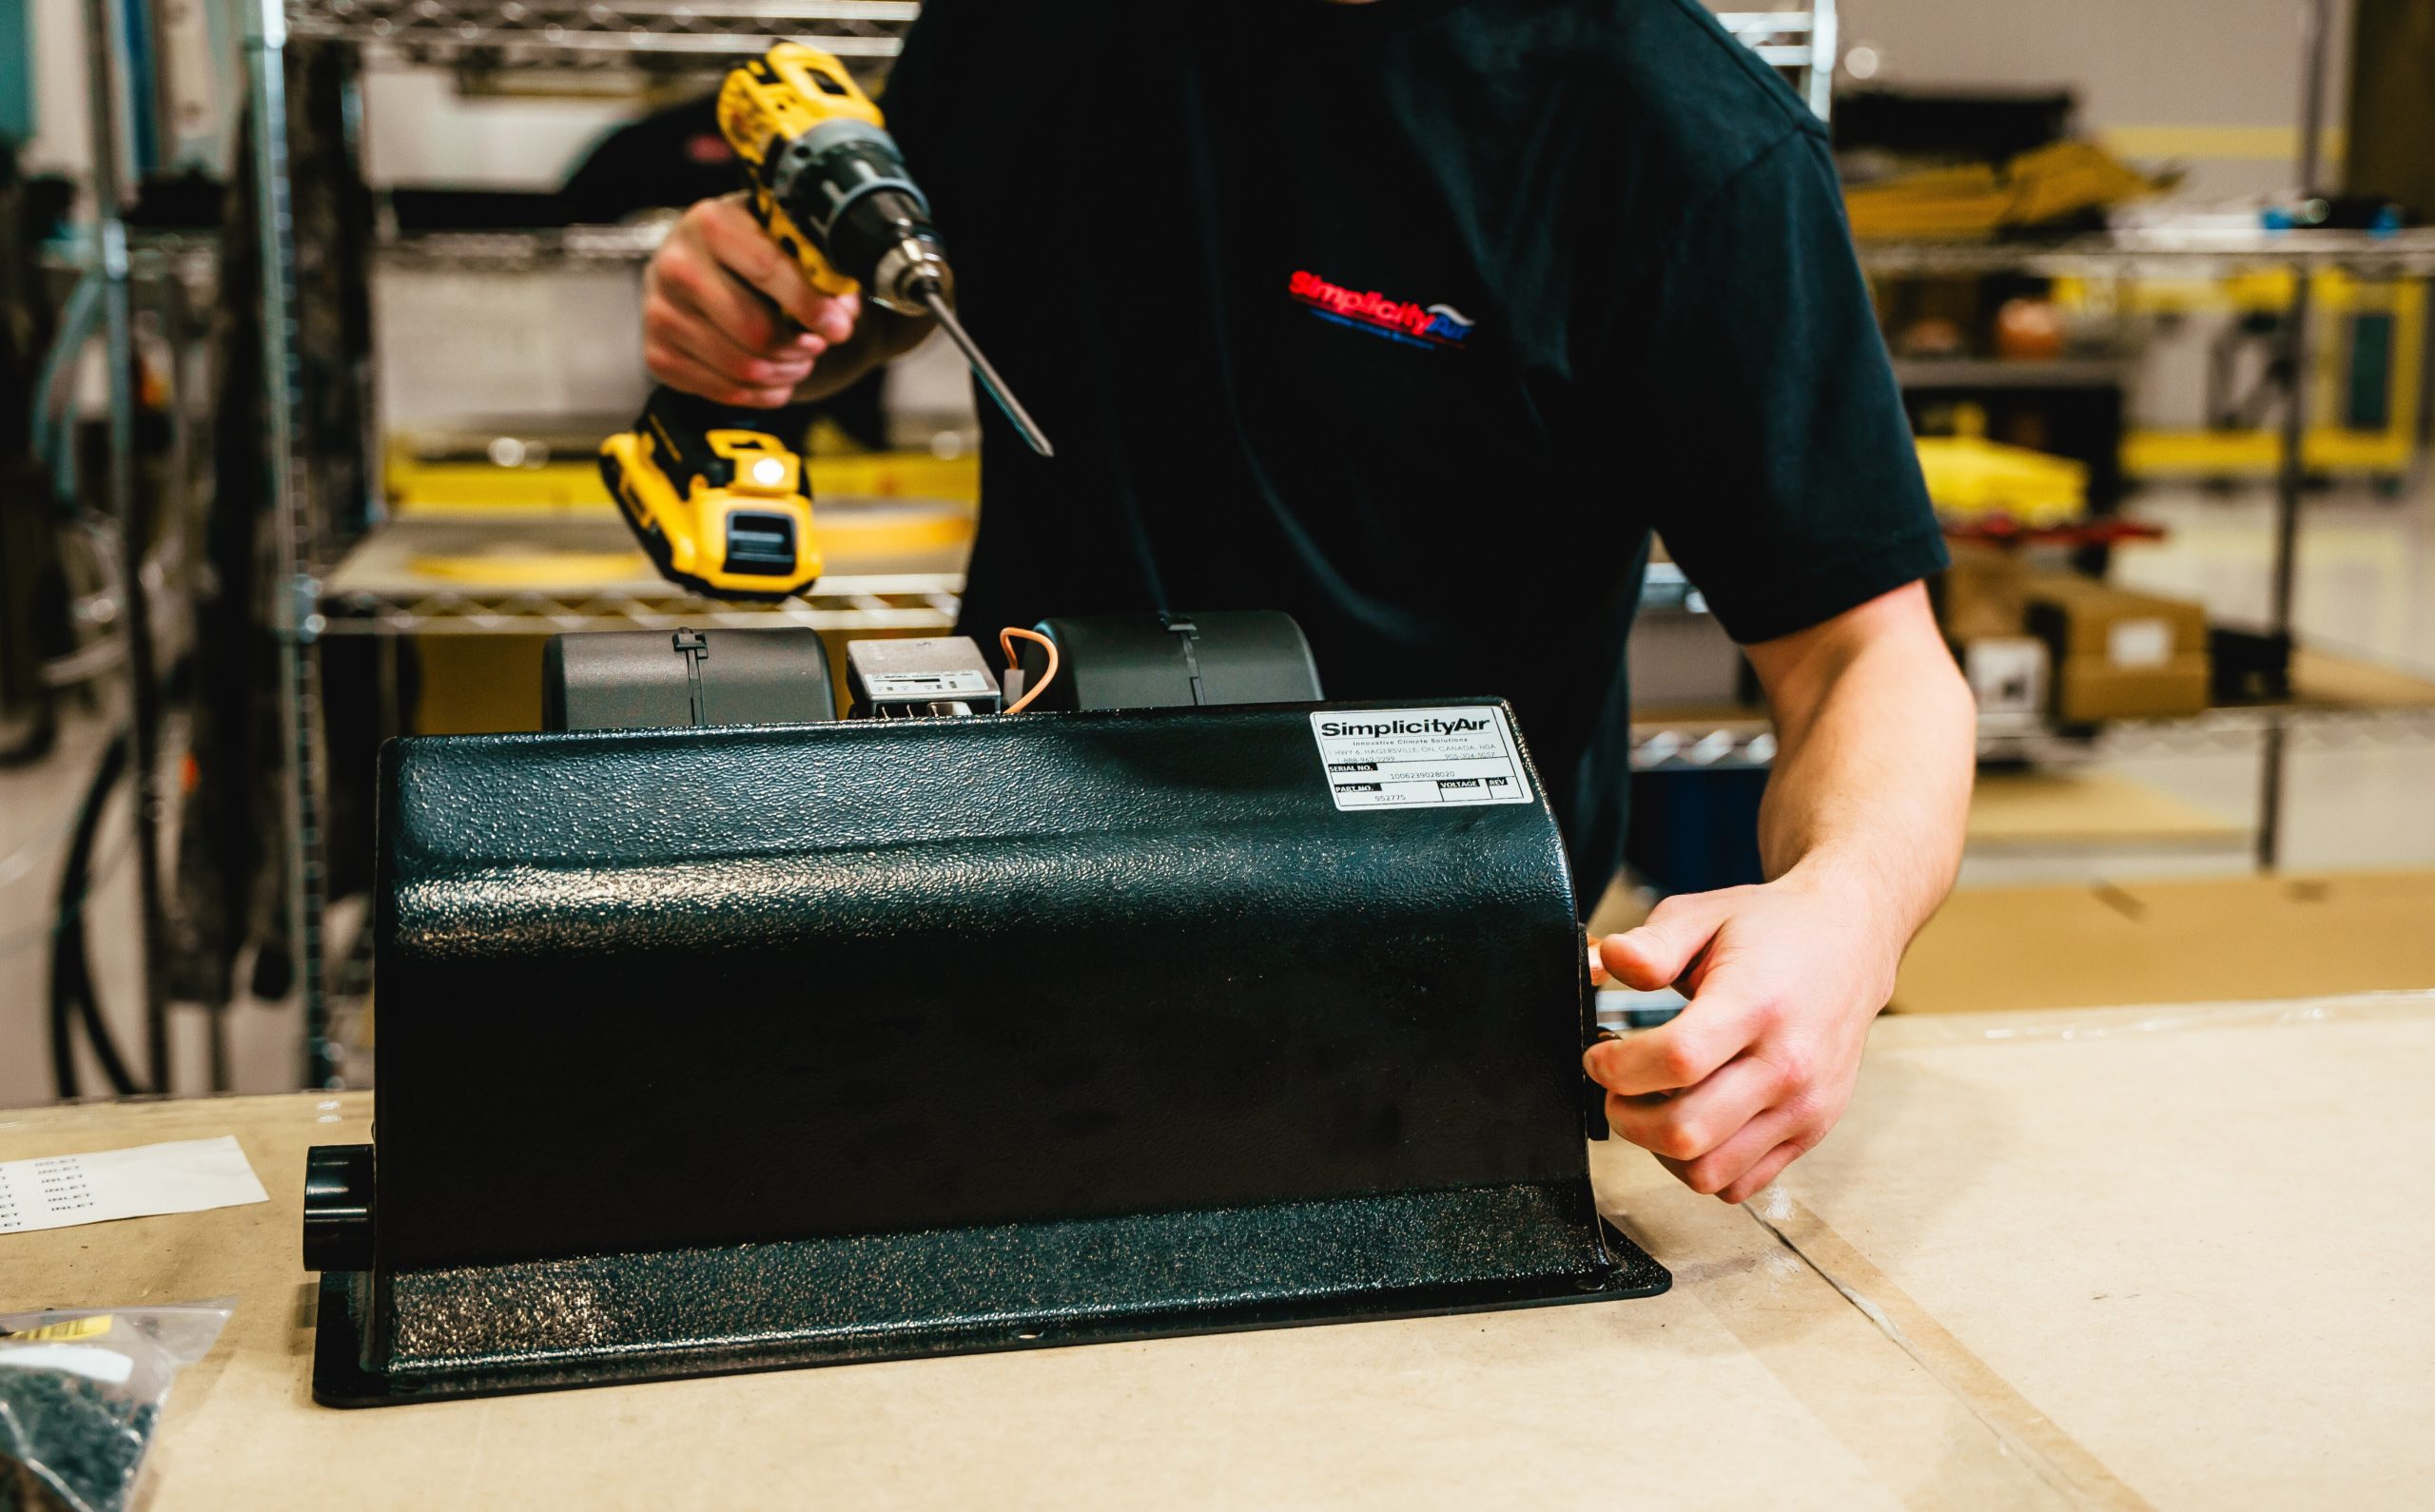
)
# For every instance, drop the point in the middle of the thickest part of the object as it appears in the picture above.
(1782, 980)
(730, 316)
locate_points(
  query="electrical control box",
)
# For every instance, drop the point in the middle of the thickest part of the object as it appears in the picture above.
(908, 679)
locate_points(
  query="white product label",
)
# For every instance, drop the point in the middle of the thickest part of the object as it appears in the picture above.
(186, 1176)
(1406, 758)
(927, 685)
(2138, 643)
(105, 1365)
(2008, 675)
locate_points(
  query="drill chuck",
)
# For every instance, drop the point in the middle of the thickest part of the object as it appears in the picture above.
(908, 272)
(845, 185)
(842, 186)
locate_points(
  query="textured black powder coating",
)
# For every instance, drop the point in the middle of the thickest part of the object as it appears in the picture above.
(482, 1330)
(722, 1048)
(712, 987)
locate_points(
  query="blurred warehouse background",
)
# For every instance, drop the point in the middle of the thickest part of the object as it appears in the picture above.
(2155, 277)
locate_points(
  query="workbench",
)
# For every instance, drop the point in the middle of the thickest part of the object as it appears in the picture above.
(2107, 1257)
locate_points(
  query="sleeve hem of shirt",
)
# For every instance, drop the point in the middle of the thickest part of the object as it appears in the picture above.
(1834, 586)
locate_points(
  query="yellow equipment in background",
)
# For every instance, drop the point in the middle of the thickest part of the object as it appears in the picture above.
(420, 477)
(539, 496)
(1972, 479)
(2051, 183)
(2368, 367)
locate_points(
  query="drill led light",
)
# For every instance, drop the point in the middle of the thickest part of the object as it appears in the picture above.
(769, 472)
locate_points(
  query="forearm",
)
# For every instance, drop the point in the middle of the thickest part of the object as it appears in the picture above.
(879, 336)
(1870, 788)
(1861, 834)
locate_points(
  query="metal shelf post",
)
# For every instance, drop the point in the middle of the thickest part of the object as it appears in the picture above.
(296, 614)
(477, 34)
(105, 55)
(2291, 471)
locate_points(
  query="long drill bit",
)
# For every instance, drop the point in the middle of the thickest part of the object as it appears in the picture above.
(989, 376)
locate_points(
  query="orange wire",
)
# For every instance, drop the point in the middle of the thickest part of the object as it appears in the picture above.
(1006, 639)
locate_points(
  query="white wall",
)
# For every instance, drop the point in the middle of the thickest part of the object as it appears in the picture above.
(61, 137)
(197, 42)
(418, 129)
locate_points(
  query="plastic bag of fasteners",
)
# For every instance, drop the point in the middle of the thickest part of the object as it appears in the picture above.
(80, 1394)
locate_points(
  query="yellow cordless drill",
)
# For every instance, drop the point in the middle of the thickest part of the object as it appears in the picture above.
(714, 491)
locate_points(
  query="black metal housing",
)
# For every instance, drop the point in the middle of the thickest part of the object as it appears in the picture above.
(713, 1049)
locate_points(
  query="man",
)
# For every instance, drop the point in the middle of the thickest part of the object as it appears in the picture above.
(1413, 318)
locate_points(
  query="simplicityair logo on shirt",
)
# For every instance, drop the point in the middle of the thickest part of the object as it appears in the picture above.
(1369, 310)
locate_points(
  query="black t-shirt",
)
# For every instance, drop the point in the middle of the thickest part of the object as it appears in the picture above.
(1413, 318)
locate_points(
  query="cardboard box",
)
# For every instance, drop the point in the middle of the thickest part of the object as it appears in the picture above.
(2213, 939)
(2079, 808)
(1680, 658)
(2080, 617)
(2119, 654)
(1984, 594)
(2088, 689)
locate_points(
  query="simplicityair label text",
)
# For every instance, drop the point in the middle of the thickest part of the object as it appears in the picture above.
(1409, 758)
